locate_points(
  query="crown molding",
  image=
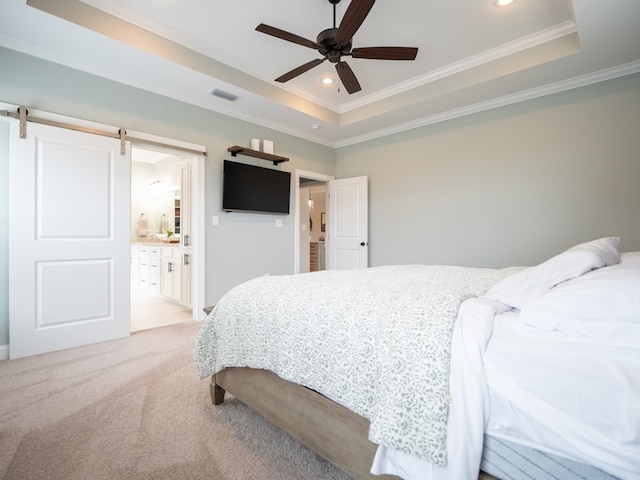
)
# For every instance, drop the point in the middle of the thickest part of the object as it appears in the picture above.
(524, 43)
(557, 87)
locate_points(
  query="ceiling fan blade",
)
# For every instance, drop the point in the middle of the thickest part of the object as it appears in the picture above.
(289, 37)
(353, 18)
(347, 77)
(300, 70)
(385, 53)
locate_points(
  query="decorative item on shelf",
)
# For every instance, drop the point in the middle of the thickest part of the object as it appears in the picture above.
(255, 144)
(176, 216)
(267, 146)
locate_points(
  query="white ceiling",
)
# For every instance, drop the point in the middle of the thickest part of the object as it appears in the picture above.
(472, 55)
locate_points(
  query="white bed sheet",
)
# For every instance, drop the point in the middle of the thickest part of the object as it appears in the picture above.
(565, 394)
(469, 403)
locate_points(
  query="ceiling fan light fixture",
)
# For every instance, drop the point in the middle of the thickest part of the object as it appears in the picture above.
(502, 3)
(328, 81)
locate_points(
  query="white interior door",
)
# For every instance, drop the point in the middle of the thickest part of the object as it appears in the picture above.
(348, 243)
(69, 239)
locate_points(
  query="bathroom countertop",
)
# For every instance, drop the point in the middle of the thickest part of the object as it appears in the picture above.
(159, 244)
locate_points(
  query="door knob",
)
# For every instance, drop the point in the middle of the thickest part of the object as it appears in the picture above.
(362, 244)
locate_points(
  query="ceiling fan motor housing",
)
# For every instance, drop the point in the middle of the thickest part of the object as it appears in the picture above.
(327, 41)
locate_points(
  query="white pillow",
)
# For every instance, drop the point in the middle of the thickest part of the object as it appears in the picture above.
(522, 288)
(603, 304)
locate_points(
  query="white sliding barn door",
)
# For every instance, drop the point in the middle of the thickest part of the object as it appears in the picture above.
(69, 266)
(348, 224)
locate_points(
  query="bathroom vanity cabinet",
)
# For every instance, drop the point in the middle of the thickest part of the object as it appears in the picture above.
(162, 270)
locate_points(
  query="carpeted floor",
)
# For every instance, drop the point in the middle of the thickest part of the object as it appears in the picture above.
(135, 409)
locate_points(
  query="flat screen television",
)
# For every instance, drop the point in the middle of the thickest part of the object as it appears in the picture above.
(248, 188)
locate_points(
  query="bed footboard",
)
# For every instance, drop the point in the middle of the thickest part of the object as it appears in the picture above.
(327, 428)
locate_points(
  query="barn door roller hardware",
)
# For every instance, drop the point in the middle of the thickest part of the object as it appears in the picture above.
(22, 114)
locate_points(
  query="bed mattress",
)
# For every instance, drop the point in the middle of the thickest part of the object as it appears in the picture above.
(509, 461)
(569, 395)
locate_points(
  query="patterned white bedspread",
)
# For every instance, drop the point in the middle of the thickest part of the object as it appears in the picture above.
(376, 341)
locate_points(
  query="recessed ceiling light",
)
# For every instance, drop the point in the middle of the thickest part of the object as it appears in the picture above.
(328, 81)
(315, 126)
(502, 3)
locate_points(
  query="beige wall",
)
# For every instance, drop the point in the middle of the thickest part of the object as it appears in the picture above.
(510, 186)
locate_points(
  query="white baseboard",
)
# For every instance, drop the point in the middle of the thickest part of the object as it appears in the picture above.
(4, 352)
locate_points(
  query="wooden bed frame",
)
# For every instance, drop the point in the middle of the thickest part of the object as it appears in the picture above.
(327, 428)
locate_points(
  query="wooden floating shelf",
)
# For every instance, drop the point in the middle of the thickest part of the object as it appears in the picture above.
(276, 159)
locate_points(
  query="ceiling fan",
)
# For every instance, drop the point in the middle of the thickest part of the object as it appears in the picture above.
(335, 43)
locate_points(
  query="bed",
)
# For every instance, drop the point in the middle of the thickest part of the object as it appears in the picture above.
(416, 371)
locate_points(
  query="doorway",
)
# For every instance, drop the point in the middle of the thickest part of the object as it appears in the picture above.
(313, 197)
(345, 221)
(160, 287)
(310, 192)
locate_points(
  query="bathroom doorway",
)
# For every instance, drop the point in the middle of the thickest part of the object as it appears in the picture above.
(162, 247)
